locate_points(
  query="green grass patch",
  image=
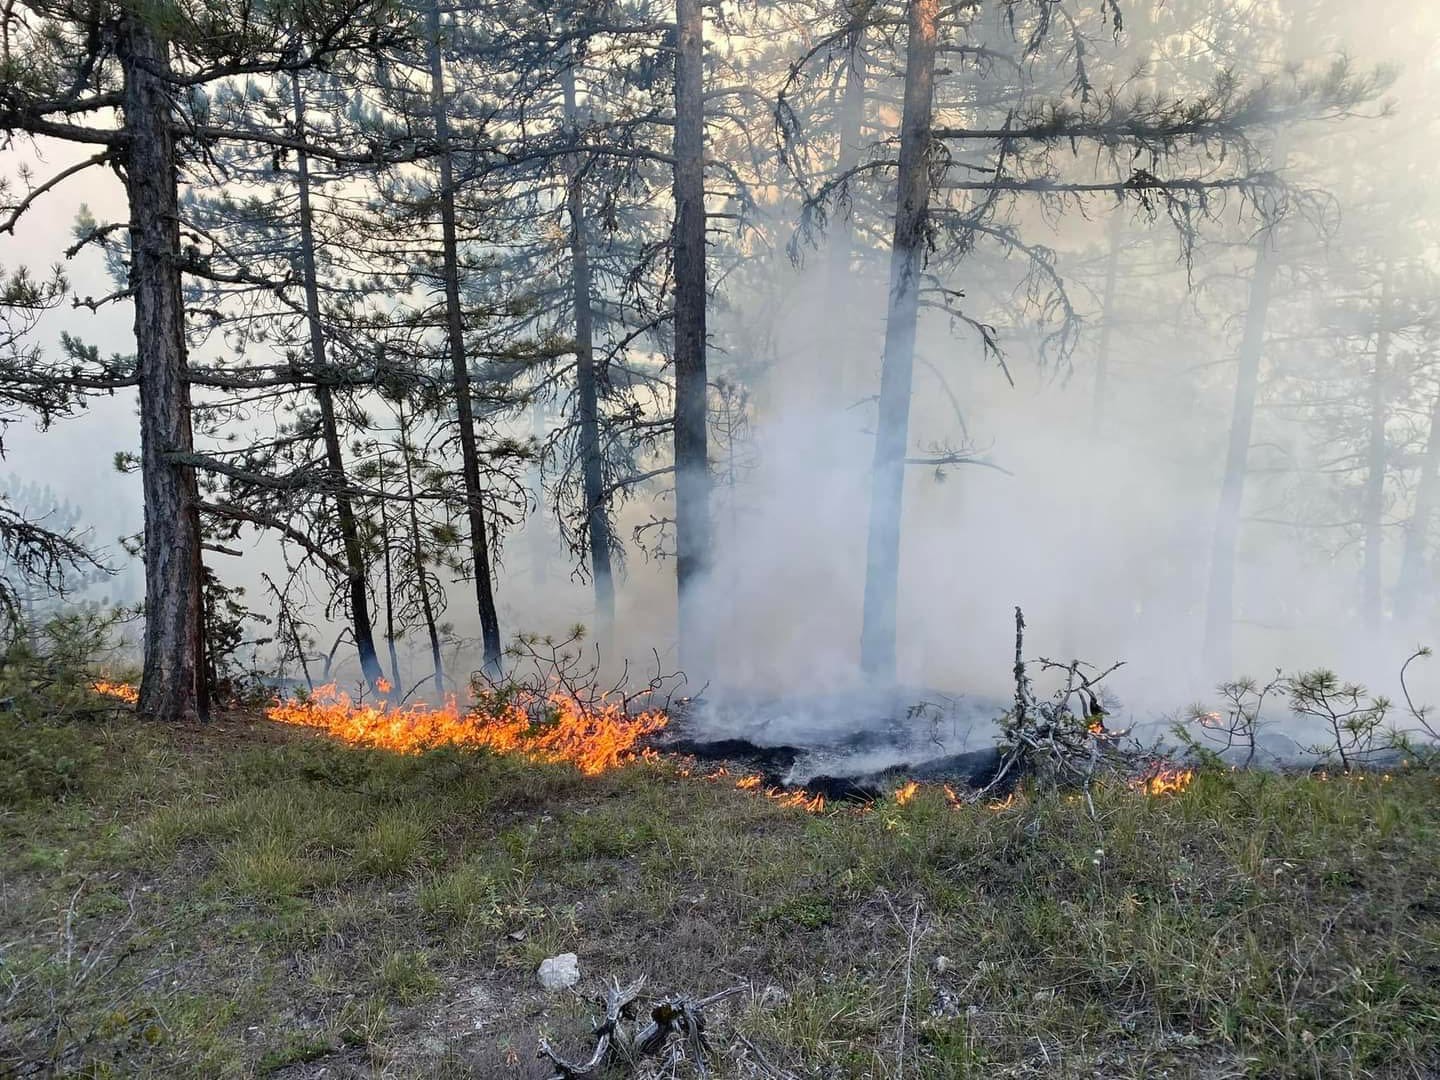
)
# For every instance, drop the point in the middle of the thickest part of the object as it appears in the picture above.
(241, 900)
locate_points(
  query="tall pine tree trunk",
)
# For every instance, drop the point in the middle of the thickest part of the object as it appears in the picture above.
(692, 466)
(1220, 610)
(1417, 530)
(537, 533)
(455, 328)
(397, 684)
(1371, 593)
(172, 681)
(892, 433)
(417, 556)
(592, 471)
(838, 332)
(357, 584)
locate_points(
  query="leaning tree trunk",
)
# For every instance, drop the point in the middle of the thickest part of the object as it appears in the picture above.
(357, 581)
(692, 466)
(1373, 504)
(1220, 611)
(1417, 530)
(171, 683)
(455, 330)
(887, 485)
(592, 470)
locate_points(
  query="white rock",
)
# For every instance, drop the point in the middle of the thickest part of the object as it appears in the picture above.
(560, 972)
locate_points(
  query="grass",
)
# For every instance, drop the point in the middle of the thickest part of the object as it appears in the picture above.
(244, 900)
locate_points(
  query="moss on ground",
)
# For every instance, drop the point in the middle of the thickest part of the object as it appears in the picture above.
(244, 900)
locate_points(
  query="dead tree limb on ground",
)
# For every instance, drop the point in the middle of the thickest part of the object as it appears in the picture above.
(677, 1014)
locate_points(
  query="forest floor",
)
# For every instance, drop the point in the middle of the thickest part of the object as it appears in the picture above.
(247, 899)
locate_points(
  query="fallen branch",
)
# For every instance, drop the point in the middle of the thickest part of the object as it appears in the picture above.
(675, 1015)
(619, 1003)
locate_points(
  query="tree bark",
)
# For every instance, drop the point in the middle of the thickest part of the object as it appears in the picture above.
(174, 616)
(1373, 506)
(692, 467)
(464, 408)
(357, 578)
(597, 520)
(882, 567)
(1220, 610)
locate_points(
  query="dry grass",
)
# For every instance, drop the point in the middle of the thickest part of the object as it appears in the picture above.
(233, 901)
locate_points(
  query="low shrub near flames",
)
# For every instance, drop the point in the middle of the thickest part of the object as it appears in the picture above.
(254, 898)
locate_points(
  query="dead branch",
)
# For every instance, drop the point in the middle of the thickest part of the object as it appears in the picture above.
(619, 1004)
(676, 1015)
(1062, 740)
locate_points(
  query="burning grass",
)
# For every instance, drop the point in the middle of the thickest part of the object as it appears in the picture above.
(1164, 780)
(553, 727)
(558, 726)
(120, 691)
(236, 900)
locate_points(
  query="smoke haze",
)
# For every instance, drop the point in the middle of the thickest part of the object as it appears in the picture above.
(1095, 515)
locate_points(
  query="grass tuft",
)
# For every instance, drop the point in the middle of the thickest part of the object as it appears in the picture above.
(237, 900)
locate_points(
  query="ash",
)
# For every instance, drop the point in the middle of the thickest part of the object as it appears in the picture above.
(852, 733)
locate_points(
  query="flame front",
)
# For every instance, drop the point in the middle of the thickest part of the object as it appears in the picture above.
(555, 728)
(120, 691)
(798, 798)
(594, 737)
(1165, 781)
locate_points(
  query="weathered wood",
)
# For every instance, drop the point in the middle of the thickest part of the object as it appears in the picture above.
(618, 1002)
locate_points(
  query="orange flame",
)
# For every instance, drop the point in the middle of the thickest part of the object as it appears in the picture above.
(120, 691)
(754, 782)
(800, 799)
(905, 794)
(1165, 781)
(555, 728)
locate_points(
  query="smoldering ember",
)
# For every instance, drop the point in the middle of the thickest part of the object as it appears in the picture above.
(799, 540)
